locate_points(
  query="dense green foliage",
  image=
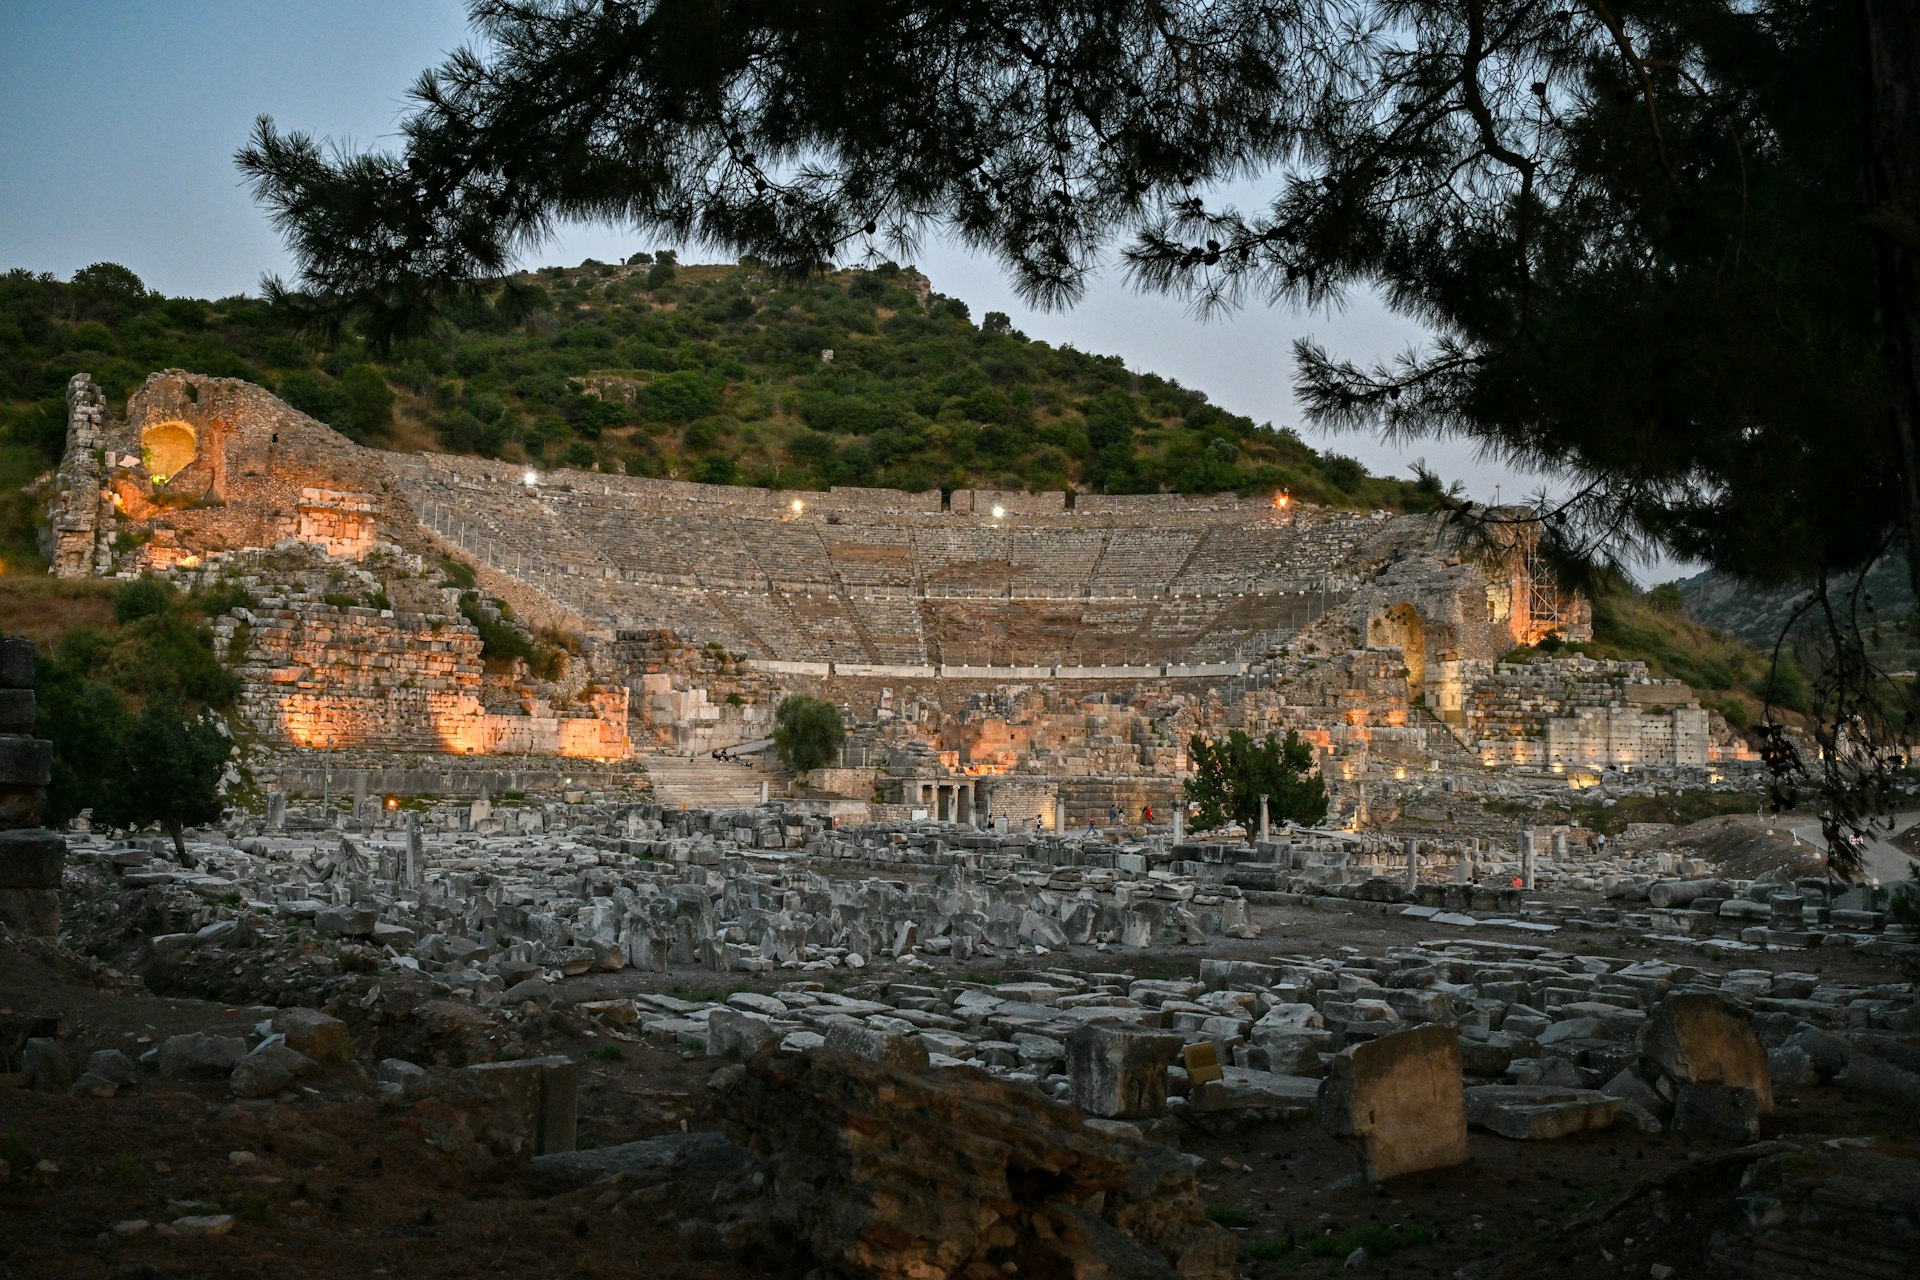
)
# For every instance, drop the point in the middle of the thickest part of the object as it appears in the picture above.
(168, 772)
(707, 373)
(807, 732)
(1230, 776)
(129, 710)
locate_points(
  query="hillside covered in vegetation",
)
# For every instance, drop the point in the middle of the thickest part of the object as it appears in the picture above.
(723, 374)
(1880, 601)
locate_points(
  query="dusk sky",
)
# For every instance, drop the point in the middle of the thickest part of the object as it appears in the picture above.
(121, 120)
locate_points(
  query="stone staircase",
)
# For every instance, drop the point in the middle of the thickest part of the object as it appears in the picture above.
(1442, 745)
(702, 782)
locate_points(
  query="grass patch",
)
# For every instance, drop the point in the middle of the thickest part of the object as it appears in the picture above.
(605, 1053)
(1227, 1215)
(43, 609)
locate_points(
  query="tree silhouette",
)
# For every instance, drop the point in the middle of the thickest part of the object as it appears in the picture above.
(1635, 234)
(170, 765)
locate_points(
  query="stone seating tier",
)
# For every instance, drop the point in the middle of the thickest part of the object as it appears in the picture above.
(857, 577)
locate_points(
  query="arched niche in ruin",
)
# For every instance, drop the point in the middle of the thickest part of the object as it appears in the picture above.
(168, 448)
(1402, 628)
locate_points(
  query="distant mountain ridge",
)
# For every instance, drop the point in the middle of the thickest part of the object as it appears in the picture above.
(1758, 615)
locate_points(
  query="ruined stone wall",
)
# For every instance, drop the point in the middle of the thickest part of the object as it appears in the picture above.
(74, 547)
(694, 699)
(202, 465)
(1582, 711)
(323, 677)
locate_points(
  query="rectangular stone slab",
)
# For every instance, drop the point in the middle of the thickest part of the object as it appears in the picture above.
(1537, 1112)
(1697, 1037)
(1120, 1072)
(1402, 1098)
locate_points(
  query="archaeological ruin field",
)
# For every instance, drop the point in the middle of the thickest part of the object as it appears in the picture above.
(517, 943)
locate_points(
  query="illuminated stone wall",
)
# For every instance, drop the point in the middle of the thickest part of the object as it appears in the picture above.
(1075, 642)
(1566, 712)
(321, 677)
(73, 546)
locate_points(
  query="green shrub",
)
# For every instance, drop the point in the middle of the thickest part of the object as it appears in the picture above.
(144, 597)
(807, 731)
(222, 597)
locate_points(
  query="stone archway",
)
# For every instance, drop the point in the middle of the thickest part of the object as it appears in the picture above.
(168, 448)
(1402, 628)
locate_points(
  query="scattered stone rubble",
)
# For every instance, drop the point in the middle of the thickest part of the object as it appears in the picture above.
(475, 920)
(506, 922)
(486, 900)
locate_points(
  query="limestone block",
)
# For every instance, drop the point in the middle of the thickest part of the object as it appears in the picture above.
(906, 1053)
(1697, 1037)
(545, 1091)
(18, 660)
(111, 1065)
(259, 1076)
(308, 1031)
(1876, 1077)
(1202, 1062)
(1717, 1113)
(734, 1034)
(1402, 1099)
(46, 1066)
(25, 762)
(346, 922)
(1537, 1112)
(1041, 930)
(17, 711)
(1791, 1067)
(1119, 1072)
(199, 1054)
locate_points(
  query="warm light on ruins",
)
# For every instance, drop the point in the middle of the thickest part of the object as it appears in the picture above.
(168, 449)
(999, 513)
(530, 478)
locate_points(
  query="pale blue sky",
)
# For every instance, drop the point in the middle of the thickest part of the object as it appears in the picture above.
(118, 123)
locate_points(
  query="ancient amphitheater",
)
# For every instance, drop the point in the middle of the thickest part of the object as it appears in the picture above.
(1050, 637)
(884, 578)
